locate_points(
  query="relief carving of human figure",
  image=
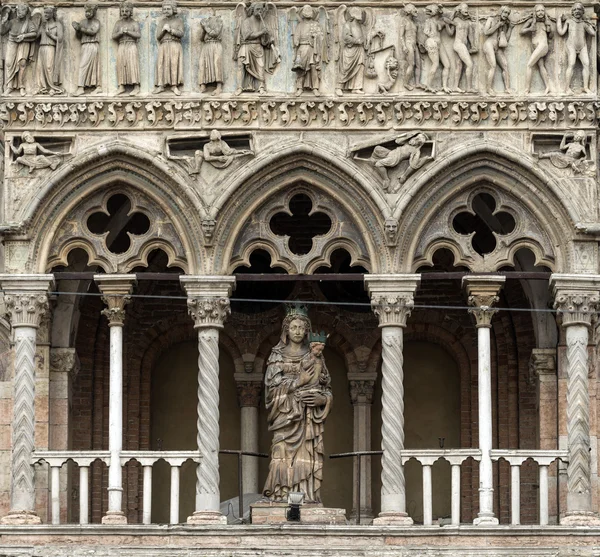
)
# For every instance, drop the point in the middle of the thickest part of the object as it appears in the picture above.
(576, 28)
(435, 48)
(497, 30)
(298, 399)
(353, 40)
(27, 154)
(462, 27)
(572, 152)
(127, 32)
(50, 54)
(210, 65)
(310, 51)
(22, 33)
(88, 32)
(539, 26)
(169, 64)
(409, 48)
(256, 45)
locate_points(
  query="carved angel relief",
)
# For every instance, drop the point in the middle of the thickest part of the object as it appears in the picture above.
(310, 39)
(256, 47)
(391, 151)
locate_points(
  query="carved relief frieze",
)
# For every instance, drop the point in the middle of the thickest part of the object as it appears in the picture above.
(571, 151)
(372, 113)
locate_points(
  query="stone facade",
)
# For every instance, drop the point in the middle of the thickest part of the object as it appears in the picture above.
(208, 140)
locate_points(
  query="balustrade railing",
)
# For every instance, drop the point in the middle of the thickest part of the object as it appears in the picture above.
(84, 459)
(516, 458)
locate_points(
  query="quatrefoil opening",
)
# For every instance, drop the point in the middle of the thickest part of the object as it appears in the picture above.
(301, 226)
(483, 223)
(118, 223)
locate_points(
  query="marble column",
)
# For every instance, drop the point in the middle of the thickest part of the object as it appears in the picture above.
(26, 302)
(362, 386)
(116, 293)
(577, 297)
(482, 292)
(249, 392)
(208, 306)
(392, 299)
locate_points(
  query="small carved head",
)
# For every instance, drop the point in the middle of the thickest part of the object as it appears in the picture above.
(355, 13)
(463, 10)
(410, 10)
(49, 13)
(307, 12)
(215, 135)
(579, 136)
(169, 8)
(392, 65)
(391, 229)
(540, 12)
(208, 228)
(90, 10)
(257, 9)
(418, 140)
(433, 9)
(27, 137)
(504, 13)
(577, 11)
(126, 10)
(22, 11)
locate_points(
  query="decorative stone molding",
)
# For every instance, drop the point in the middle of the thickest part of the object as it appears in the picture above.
(248, 393)
(355, 113)
(116, 294)
(392, 297)
(482, 292)
(576, 297)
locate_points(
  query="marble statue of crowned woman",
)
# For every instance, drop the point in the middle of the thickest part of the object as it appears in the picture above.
(298, 398)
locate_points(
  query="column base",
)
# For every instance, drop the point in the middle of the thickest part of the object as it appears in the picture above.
(114, 517)
(201, 518)
(486, 520)
(393, 518)
(581, 518)
(17, 518)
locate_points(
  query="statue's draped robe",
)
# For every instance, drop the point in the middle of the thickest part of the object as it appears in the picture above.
(352, 57)
(210, 66)
(17, 55)
(50, 56)
(297, 448)
(128, 59)
(308, 42)
(169, 64)
(89, 64)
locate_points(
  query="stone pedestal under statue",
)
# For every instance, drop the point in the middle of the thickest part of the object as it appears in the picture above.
(272, 512)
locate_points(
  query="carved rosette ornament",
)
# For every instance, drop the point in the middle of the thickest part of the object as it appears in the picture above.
(392, 299)
(26, 302)
(208, 306)
(576, 297)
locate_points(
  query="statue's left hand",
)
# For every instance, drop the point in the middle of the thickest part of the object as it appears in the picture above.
(313, 399)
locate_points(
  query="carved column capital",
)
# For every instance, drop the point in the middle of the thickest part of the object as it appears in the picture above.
(208, 299)
(482, 294)
(249, 393)
(26, 298)
(65, 360)
(116, 294)
(543, 363)
(576, 297)
(361, 391)
(392, 297)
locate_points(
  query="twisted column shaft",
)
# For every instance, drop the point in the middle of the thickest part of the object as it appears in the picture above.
(392, 299)
(208, 306)
(26, 302)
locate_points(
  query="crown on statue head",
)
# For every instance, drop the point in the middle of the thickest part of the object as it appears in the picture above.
(297, 310)
(317, 337)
